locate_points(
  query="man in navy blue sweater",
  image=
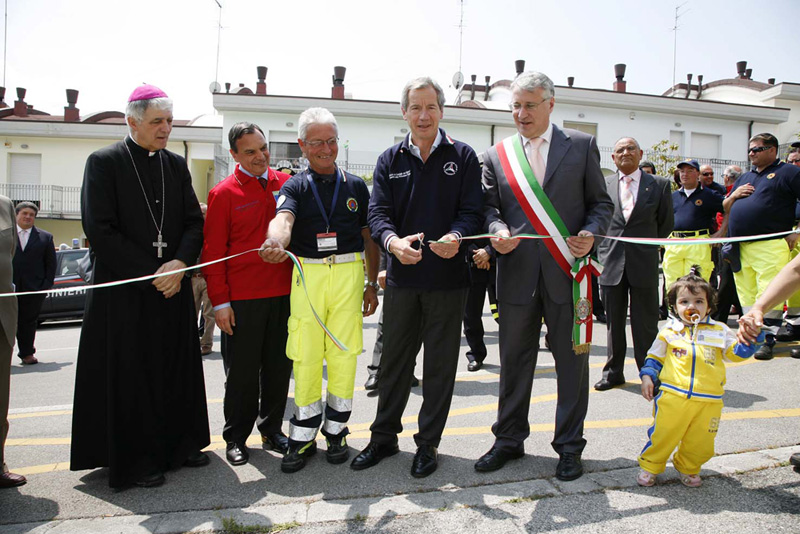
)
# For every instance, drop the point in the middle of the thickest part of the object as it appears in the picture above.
(425, 188)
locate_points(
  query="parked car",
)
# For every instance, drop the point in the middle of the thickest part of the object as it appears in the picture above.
(69, 301)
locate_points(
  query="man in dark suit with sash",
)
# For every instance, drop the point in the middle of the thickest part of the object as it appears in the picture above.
(544, 181)
(642, 208)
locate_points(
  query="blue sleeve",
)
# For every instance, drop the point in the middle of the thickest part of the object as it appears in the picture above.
(746, 351)
(651, 368)
(380, 203)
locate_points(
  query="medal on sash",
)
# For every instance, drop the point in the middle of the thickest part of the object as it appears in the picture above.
(546, 221)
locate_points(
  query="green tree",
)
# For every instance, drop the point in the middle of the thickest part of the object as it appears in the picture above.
(665, 157)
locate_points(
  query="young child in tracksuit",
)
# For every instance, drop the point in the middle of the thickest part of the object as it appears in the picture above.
(687, 359)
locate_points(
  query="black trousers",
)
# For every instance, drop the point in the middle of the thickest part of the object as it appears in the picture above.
(256, 368)
(29, 307)
(726, 295)
(473, 317)
(644, 324)
(411, 315)
(520, 326)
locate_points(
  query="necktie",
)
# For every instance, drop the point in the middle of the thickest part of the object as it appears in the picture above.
(23, 239)
(626, 197)
(263, 182)
(535, 158)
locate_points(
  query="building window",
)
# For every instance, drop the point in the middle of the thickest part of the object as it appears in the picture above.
(585, 127)
(25, 177)
(705, 145)
(286, 157)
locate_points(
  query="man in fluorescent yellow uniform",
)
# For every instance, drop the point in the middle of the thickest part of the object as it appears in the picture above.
(763, 201)
(695, 209)
(321, 216)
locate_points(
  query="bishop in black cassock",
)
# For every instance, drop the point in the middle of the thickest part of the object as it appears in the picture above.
(140, 404)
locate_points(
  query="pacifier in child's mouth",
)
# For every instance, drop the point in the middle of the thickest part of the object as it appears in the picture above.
(694, 318)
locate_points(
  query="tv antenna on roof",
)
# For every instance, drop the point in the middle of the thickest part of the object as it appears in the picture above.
(675, 44)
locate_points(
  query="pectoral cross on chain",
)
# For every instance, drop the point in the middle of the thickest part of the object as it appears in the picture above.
(159, 245)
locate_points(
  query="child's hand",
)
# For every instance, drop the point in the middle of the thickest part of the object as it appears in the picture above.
(647, 387)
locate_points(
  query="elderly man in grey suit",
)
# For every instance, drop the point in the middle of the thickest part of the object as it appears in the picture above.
(8, 327)
(542, 180)
(642, 208)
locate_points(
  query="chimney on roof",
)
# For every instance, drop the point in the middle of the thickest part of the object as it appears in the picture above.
(474, 78)
(748, 74)
(261, 86)
(741, 67)
(227, 87)
(688, 85)
(337, 91)
(771, 81)
(570, 81)
(20, 107)
(519, 65)
(71, 113)
(486, 91)
(619, 71)
(699, 85)
(3, 98)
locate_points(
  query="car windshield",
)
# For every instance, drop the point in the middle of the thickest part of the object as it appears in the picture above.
(69, 263)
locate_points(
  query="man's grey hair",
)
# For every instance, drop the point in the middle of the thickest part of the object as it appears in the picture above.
(532, 80)
(421, 83)
(138, 108)
(731, 171)
(22, 205)
(635, 142)
(315, 116)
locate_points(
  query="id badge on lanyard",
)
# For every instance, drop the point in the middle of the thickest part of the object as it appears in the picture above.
(326, 242)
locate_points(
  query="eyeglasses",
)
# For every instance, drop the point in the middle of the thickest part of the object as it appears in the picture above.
(708, 174)
(529, 106)
(757, 149)
(332, 142)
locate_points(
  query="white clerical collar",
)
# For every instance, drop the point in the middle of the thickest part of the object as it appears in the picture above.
(635, 176)
(150, 154)
(688, 192)
(414, 149)
(546, 135)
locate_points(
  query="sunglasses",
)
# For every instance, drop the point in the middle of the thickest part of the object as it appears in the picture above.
(757, 149)
(708, 174)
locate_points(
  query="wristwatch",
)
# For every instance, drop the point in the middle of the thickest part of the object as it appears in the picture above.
(373, 285)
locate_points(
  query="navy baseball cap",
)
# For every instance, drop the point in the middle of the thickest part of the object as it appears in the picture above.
(691, 163)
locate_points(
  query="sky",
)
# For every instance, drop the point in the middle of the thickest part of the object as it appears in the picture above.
(105, 48)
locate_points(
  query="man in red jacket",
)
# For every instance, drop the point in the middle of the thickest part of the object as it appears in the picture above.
(250, 297)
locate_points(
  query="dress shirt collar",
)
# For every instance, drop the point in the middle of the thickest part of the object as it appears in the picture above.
(20, 229)
(635, 176)
(414, 149)
(547, 135)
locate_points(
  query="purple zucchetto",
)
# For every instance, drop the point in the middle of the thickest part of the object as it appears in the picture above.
(146, 92)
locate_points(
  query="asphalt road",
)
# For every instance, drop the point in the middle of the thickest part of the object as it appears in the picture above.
(762, 412)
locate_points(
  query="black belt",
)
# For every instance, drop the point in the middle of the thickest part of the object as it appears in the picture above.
(690, 233)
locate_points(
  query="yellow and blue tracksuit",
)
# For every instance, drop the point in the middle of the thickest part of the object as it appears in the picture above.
(688, 361)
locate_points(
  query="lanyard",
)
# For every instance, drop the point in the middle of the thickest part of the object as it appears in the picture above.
(326, 216)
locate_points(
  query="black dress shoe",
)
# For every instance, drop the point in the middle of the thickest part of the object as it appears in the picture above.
(795, 352)
(237, 454)
(276, 441)
(197, 459)
(606, 384)
(569, 466)
(372, 454)
(474, 365)
(372, 382)
(297, 456)
(788, 332)
(425, 461)
(151, 481)
(496, 458)
(764, 353)
(414, 382)
(794, 459)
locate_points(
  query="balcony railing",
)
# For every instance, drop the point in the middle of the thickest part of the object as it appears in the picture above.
(54, 201)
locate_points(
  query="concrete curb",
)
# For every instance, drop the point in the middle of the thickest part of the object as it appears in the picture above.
(363, 508)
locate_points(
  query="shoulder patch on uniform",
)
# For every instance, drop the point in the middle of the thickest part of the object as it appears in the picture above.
(281, 200)
(698, 202)
(352, 204)
(770, 176)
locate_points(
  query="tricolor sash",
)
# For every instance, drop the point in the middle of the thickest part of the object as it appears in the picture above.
(546, 221)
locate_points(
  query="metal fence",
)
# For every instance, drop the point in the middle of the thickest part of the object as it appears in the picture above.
(673, 159)
(54, 201)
